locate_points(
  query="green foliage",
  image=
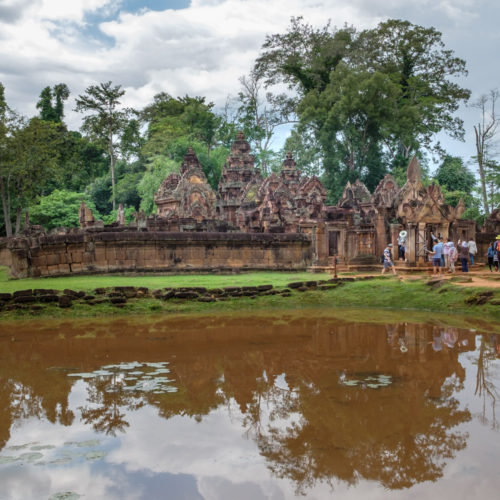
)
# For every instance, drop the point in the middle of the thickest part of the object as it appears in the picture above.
(111, 217)
(159, 168)
(126, 190)
(99, 191)
(59, 209)
(455, 176)
(370, 98)
(51, 103)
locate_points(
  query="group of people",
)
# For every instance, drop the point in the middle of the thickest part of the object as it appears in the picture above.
(445, 254)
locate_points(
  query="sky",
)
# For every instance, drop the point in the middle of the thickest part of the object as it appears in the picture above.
(202, 47)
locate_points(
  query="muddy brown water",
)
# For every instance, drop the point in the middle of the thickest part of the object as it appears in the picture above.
(248, 407)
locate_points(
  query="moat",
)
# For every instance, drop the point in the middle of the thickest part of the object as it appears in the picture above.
(251, 407)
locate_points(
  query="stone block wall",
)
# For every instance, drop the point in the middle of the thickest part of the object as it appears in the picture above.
(136, 251)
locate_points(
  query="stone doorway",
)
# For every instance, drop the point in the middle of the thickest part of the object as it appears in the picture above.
(333, 239)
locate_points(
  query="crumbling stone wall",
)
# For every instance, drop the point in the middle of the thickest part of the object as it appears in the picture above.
(135, 251)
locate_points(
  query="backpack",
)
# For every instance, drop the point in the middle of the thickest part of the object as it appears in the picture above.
(382, 259)
(497, 246)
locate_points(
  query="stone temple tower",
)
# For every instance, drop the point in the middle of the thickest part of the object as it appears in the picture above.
(237, 173)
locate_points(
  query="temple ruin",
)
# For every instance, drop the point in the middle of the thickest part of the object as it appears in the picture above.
(250, 222)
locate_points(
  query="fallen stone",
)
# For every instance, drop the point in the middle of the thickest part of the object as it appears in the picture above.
(24, 299)
(44, 291)
(71, 293)
(100, 291)
(5, 296)
(65, 301)
(48, 298)
(186, 295)
(118, 300)
(206, 299)
(264, 288)
(22, 293)
(296, 284)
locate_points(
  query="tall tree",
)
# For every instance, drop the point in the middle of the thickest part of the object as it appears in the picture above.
(370, 96)
(485, 131)
(51, 103)
(33, 163)
(9, 121)
(105, 120)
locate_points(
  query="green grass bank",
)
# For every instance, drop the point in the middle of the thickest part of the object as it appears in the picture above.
(383, 294)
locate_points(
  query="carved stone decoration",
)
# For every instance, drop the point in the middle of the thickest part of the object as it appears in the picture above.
(187, 195)
(120, 215)
(386, 192)
(237, 173)
(310, 199)
(85, 216)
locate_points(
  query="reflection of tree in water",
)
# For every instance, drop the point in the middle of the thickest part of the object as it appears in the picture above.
(108, 404)
(485, 389)
(400, 435)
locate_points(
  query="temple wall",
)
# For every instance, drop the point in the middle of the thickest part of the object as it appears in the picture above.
(97, 252)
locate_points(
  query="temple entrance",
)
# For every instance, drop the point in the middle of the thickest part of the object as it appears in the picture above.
(333, 238)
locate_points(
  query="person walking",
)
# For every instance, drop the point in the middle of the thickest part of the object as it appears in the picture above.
(472, 250)
(464, 256)
(491, 255)
(452, 256)
(437, 252)
(496, 253)
(446, 252)
(388, 264)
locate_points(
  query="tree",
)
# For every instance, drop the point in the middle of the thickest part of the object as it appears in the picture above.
(8, 122)
(485, 132)
(416, 60)
(34, 162)
(454, 175)
(59, 209)
(51, 103)
(105, 120)
(259, 115)
(368, 97)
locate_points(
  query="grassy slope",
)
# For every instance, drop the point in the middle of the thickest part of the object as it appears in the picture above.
(377, 294)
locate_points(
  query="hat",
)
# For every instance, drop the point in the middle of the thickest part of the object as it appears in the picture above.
(390, 244)
(498, 237)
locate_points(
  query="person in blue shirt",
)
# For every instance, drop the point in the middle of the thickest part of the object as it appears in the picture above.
(437, 252)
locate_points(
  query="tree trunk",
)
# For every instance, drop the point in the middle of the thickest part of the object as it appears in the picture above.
(479, 131)
(6, 209)
(112, 160)
(18, 220)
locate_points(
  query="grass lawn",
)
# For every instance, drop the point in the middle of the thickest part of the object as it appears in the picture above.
(89, 283)
(383, 293)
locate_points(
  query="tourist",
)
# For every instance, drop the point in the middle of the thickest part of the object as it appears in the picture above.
(446, 253)
(496, 253)
(388, 260)
(452, 256)
(464, 256)
(472, 250)
(437, 252)
(402, 245)
(491, 255)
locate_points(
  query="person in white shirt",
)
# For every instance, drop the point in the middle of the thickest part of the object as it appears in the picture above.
(472, 249)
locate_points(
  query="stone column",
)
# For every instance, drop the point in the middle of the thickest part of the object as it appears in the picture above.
(381, 235)
(411, 243)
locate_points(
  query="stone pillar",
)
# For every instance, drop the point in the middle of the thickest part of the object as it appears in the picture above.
(422, 256)
(411, 242)
(321, 244)
(381, 234)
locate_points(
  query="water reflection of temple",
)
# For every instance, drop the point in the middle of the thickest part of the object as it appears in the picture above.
(288, 372)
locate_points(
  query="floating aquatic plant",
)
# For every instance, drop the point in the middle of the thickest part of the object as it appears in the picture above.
(373, 381)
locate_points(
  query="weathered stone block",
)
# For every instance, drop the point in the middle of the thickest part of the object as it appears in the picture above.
(65, 301)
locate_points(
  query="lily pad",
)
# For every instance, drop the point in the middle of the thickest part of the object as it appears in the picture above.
(30, 457)
(95, 455)
(8, 460)
(66, 495)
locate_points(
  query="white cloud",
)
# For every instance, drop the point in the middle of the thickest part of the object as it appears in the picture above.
(200, 50)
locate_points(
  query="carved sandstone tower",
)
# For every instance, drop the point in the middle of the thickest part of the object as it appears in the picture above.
(237, 173)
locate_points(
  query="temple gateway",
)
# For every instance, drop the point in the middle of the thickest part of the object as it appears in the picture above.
(357, 228)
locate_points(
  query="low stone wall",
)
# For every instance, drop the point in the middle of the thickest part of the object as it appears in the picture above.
(89, 252)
